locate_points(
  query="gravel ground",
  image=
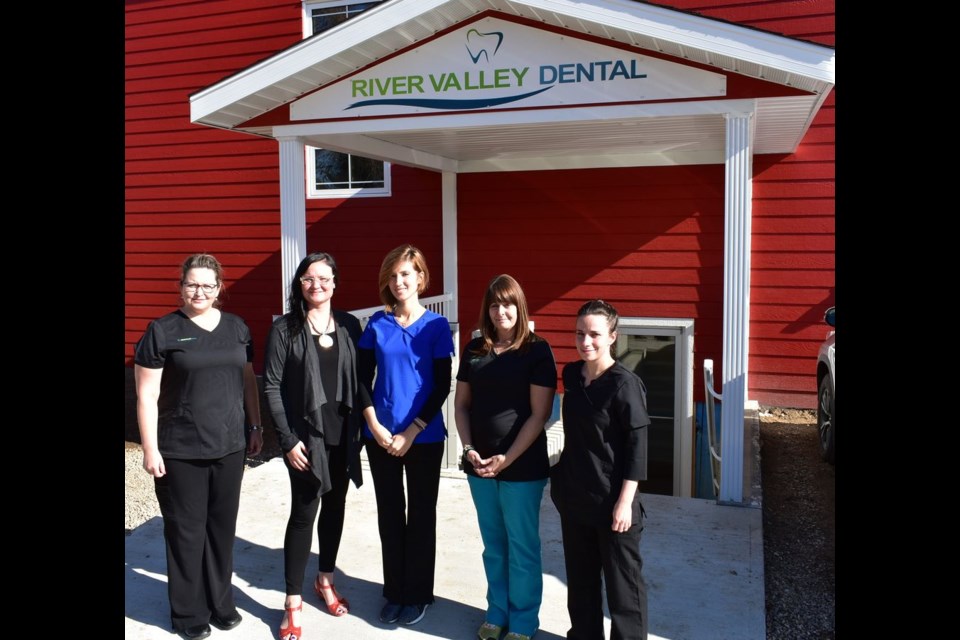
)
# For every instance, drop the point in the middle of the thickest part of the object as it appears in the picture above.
(799, 528)
(798, 521)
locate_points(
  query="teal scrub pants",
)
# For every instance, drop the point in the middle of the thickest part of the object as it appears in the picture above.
(509, 518)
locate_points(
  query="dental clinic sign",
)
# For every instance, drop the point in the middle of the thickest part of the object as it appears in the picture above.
(497, 64)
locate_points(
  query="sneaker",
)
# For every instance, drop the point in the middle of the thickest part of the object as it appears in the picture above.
(518, 636)
(390, 612)
(412, 613)
(489, 631)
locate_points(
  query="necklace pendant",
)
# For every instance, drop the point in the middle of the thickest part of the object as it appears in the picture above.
(325, 340)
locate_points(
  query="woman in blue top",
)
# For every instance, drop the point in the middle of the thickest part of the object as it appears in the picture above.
(410, 350)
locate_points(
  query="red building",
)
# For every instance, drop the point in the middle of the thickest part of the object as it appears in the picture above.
(674, 158)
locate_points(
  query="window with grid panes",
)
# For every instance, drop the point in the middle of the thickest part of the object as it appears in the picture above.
(332, 174)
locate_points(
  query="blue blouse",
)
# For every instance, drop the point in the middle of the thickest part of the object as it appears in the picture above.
(404, 377)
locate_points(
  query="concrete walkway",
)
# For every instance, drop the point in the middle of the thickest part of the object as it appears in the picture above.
(703, 564)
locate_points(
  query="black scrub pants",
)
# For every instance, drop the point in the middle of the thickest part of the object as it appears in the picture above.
(408, 522)
(199, 500)
(588, 550)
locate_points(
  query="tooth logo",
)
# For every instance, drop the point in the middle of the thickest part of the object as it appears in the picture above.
(478, 43)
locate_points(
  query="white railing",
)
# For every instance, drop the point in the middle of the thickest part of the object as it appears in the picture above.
(438, 304)
(712, 440)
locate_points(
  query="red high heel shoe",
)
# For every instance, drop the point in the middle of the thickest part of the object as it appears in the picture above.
(291, 632)
(340, 607)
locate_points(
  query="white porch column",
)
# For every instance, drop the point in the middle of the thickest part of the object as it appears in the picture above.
(448, 205)
(736, 302)
(293, 211)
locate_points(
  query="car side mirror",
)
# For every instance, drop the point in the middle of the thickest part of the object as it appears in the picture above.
(830, 316)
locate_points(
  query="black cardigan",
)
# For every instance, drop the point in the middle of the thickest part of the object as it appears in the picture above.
(292, 386)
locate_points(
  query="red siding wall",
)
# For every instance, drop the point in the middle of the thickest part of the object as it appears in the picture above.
(792, 268)
(647, 240)
(360, 231)
(812, 20)
(192, 188)
(792, 277)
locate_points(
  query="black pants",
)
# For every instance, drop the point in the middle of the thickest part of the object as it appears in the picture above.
(304, 502)
(408, 523)
(588, 550)
(199, 500)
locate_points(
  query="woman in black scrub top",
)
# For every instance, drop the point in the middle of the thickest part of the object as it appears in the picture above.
(195, 386)
(595, 484)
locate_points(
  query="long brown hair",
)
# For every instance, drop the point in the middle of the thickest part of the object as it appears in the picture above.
(504, 289)
(296, 301)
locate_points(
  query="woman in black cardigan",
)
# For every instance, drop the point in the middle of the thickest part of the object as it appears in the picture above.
(310, 382)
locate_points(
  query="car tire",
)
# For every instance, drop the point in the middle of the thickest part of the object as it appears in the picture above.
(825, 420)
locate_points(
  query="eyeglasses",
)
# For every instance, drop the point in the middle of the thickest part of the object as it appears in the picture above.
(323, 282)
(192, 287)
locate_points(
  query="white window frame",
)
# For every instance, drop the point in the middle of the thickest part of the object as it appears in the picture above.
(313, 192)
(307, 7)
(364, 192)
(682, 330)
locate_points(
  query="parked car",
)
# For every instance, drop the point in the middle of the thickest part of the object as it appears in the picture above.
(826, 390)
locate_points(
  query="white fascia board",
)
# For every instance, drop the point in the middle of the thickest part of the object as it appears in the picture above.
(310, 52)
(377, 149)
(778, 52)
(767, 49)
(525, 117)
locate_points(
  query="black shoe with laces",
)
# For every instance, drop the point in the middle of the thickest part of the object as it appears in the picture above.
(412, 613)
(390, 612)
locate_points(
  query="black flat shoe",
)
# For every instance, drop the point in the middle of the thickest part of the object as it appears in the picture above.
(225, 624)
(198, 632)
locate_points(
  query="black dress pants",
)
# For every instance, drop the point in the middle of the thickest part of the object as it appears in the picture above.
(304, 502)
(408, 523)
(589, 550)
(199, 500)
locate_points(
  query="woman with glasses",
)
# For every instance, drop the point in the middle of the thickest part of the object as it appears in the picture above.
(195, 387)
(410, 350)
(310, 382)
(595, 484)
(505, 389)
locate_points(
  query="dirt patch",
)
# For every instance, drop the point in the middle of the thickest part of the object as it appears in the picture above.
(799, 527)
